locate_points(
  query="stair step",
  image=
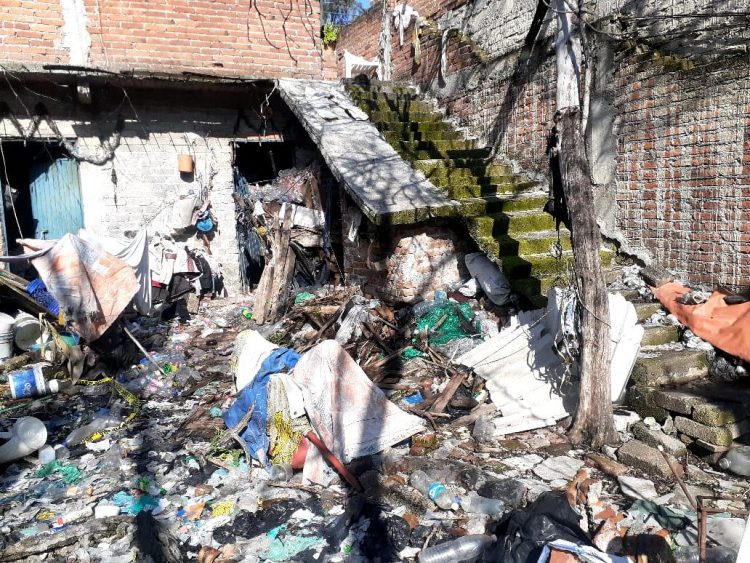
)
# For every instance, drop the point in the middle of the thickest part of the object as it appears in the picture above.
(535, 265)
(506, 203)
(486, 168)
(409, 118)
(511, 185)
(395, 135)
(645, 309)
(669, 367)
(532, 243)
(656, 335)
(514, 223)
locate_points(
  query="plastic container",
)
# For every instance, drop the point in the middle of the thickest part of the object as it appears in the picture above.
(30, 382)
(151, 385)
(281, 472)
(467, 548)
(713, 555)
(28, 332)
(7, 335)
(433, 490)
(47, 455)
(477, 504)
(422, 308)
(97, 425)
(737, 460)
(38, 292)
(27, 436)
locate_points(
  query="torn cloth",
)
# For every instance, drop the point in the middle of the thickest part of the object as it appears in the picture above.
(91, 285)
(725, 326)
(255, 396)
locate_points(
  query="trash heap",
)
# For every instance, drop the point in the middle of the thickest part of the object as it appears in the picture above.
(348, 429)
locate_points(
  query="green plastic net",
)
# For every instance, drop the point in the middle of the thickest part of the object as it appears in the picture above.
(449, 329)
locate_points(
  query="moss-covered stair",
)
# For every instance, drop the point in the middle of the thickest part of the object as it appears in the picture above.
(502, 209)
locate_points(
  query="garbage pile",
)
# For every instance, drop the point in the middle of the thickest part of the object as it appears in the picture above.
(348, 429)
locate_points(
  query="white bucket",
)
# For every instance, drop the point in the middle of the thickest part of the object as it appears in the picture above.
(6, 336)
(28, 331)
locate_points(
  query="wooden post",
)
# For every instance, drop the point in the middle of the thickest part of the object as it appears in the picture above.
(593, 421)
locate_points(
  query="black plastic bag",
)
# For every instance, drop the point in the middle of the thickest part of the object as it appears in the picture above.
(521, 534)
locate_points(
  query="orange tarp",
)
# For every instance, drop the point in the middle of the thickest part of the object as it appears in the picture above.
(727, 327)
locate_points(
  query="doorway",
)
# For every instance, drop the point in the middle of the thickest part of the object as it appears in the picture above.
(41, 192)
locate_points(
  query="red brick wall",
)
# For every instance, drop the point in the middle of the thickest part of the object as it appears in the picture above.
(226, 37)
(682, 181)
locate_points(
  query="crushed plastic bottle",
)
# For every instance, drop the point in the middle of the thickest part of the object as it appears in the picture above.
(467, 548)
(737, 460)
(84, 432)
(477, 504)
(433, 490)
(151, 385)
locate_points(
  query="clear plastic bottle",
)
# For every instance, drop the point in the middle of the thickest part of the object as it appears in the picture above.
(97, 425)
(477, 504)
(281, 472)
(713, 555)
(467, 548)
(151, 385)
(27, 436)
(433, 490)
(737, 460)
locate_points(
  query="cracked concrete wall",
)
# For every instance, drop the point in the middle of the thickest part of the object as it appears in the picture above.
(669, 117)
(76, 38)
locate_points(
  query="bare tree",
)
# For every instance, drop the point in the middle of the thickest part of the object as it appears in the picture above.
(593, 422)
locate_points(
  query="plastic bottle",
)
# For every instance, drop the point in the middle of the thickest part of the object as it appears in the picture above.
(31, 382)
(281, 472)
(467, 548)
(737, 460)
(150, 385)
(477, 504)
(27, 436)
(713, 555)
(433, 490)
(422, 308)
(97, 425)
(441, 298)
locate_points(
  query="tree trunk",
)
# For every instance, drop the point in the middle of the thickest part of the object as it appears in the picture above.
(594, 422)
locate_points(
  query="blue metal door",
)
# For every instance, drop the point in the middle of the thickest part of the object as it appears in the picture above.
(56, 198)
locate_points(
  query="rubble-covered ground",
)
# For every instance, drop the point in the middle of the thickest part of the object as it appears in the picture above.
(165, 481)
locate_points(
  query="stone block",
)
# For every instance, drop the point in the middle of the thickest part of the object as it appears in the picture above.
(656, 438)
(676, 401)
(640, 398)
(717, 435)
(719, 413)
(657, 335)
(665, 367)
(645, 310)
(641, 456)
(637, 488)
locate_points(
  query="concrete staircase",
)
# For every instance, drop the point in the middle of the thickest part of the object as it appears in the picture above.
(501, 208)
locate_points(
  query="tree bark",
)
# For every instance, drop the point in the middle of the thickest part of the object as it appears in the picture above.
(594, 421)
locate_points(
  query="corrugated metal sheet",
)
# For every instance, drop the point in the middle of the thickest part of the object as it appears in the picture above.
(56, 198)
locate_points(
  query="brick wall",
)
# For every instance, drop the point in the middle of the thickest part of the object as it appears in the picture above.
(680, 184)
(403, 263)
(252, 39)
(138, 186)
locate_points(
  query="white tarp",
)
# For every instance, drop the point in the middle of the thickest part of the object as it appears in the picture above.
(525, 375)
(351, 415)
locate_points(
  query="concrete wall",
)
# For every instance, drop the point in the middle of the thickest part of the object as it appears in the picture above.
(138, 185)
(259, 39)
(670, 113)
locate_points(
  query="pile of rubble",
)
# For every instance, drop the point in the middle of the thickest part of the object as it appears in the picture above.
(345, 428)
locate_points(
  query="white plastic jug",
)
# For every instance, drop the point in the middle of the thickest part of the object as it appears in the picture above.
(7, 332)
(27, 436)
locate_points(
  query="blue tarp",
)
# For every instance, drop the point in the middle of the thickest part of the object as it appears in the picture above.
(279, 360)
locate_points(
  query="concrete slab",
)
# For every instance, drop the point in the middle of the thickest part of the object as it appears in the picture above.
(656, 438)
(719, 413)
(676, 401)
(384, 186)
(558, 468)
(665, 367)
(642, 456)
(657, 335)
(637, 488)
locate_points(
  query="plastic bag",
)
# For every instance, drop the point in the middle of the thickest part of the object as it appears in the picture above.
(489, 277)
